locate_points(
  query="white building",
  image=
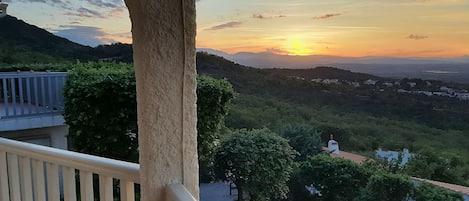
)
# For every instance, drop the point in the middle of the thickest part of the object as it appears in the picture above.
(447, 89)
(394, 155)
(412, 84)
(388, 84)
(462, 96)
(370, 82)
(330, 81)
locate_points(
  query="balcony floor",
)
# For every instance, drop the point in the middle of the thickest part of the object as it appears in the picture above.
(28, 110)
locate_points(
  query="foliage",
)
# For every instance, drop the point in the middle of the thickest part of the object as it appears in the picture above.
(258, 162)
(335, 178)
(425, 191)
(439, 166)
(303, 138)
(387, 187)
(100, 108)
(213, 97)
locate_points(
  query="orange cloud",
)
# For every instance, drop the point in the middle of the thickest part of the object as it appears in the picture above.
(416, 37)
(325, 16)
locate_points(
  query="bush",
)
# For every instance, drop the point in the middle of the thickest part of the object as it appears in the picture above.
(213, 97)
(101, 110)
(258, 162)
(387, 187)
(335, 178)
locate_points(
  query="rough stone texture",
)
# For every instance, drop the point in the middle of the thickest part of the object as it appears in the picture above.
(164, 58)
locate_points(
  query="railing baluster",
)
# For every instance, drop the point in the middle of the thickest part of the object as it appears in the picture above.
(68, 175)
(28, 93)
(127, 191)
(20, 91)
(13, 95)
(5, 96)
(39, 181)
(57, 94)
(4, 189)
(26, 183)
(43, 95)
(86, 186)
(51, 100)
(14, 177)
(36, 96)
(52, 182)
(105, 188)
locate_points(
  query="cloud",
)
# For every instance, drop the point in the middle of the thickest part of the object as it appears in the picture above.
(64, 4)
(107, 4)
(276, 51)
(416, 37)
(87, 35)
(325, 16)
(261, 16)
(85, 12)
(225, 25)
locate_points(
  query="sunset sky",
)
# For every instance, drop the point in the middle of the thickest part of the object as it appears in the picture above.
(424, 28)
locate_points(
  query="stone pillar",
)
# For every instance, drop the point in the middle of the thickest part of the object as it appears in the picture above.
(163, 34)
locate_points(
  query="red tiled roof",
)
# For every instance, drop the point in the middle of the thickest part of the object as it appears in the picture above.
(358, 159)
(453, 187)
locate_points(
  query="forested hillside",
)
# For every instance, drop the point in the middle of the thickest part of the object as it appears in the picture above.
(361, 118)
(24, 43)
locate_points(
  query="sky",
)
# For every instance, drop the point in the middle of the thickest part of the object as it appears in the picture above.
(355, 28)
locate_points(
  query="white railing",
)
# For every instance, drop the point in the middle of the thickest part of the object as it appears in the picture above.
(31, 172)
(177, 192)
(31, 93)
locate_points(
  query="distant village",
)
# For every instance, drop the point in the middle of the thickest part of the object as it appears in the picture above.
(403, 87)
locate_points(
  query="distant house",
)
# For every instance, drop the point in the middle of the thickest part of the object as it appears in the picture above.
(388, 84)
(317, 80)
(447, 89)
(390, 156)
(331, 81)
(355, 84)
(370, 82)
(412, 84)
(462, 96)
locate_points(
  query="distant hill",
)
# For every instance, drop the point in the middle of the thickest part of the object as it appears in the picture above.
(21, 42)
(452, 69)
(295, 85)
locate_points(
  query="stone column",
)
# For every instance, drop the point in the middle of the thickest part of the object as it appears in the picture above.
(164, 59)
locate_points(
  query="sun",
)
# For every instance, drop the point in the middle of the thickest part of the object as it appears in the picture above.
(295, 46)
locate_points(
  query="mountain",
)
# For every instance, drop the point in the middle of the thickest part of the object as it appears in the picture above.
(21, 42)
(454, 69)
(271, 60)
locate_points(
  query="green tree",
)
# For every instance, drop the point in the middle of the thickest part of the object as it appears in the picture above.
(303, 138)
(335, 178)
(213, 97)
(387, 187)
(258, 162)
(440, 167)
(101, 110)
(425, 191)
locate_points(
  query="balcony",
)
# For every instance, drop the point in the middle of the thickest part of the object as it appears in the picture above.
(33, 172)
(31, 100)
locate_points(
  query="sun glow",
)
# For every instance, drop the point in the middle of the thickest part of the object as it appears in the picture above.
(295, 46)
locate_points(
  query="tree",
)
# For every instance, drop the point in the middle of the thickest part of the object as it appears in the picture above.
(213, 97)
(335, 178)
(303, 138)
(258, 162)
(387, 187)
(441, 167)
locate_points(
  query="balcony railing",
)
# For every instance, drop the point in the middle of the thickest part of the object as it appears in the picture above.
(31, 93)
(33, 172)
